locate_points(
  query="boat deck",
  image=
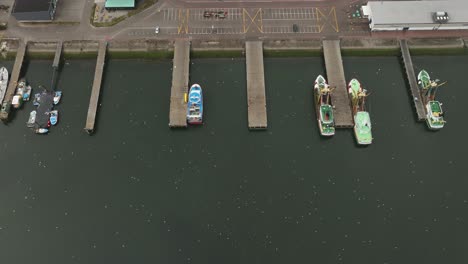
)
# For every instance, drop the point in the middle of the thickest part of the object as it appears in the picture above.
(13, 81)
(96, 90)
(336, 79)
(413, 84)
(256, 98)
(180, 79)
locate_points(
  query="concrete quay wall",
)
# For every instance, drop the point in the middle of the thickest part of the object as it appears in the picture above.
(232, 47)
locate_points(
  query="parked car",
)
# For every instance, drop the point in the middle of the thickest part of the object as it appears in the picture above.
(156, 30)
(221, 14)
(295, 28)
(207, 14)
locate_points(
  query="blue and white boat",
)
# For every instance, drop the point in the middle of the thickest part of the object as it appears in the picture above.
(195, 105)
(53, 117)
(57, 96)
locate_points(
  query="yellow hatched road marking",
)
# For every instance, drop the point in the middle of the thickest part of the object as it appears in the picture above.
(331, 14)
(258, 24)
(182, 27)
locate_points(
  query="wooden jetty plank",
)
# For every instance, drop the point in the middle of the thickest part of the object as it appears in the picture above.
(256, 98)
(58, 55)
(336, 79)
(14, 77)
(94, 99)
(180, 79)
(407, 61)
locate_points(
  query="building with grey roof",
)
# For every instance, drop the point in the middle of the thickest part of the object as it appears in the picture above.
(34, 10)
(417, 15)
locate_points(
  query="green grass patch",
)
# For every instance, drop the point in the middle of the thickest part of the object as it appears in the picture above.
(437, 52)
(110, 23)
(292, 53)
(140, 55)
(80, 55)
(41, 55)
(216, 54)
(370, 52)
(138, 9)
(8, 56)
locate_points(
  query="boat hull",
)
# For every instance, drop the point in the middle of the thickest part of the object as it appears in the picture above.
(3, 82)
(434, 115)
(362, 128)
(53, 117)
(195, 105)
(326, 129)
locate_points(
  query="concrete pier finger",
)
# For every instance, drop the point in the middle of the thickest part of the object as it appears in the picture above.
(180, 79)
(256, 98)
(336, 79)
(96, 90)
(413, 85)
(58, 55)
(14, 77)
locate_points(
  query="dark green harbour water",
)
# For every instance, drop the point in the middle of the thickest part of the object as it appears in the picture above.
(138, 192)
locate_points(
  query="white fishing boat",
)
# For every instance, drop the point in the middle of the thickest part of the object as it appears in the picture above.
(57, 96)
(42, 131)
(53, 117)
(3, 82)
(24, 90)
(32, 119)
(17, 101)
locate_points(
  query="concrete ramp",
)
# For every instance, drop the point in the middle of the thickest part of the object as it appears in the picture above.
(256, 98)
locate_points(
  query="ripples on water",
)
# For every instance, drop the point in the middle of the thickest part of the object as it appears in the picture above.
(137, 191)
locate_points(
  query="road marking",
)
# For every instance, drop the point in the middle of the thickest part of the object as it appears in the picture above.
(183, 21)
(253, 20)
(326, 19)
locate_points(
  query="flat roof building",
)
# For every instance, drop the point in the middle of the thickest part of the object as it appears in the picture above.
(417, 15)
(120, 4)
(34, 10)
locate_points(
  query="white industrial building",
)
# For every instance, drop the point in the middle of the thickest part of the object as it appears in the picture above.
(417, 15)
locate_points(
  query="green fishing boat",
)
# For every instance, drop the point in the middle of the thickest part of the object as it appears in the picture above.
(362, 122)
(434, 114)
(323, 107)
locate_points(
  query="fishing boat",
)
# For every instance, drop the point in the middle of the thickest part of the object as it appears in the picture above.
(17, 101)
(37, 98)
(434, 114)
(195, 105)
(24, 90)
(323, 107)
(362, 122)
(53, 117)
(32, 119)
(57, 96)
(41, 131)
(3, 82)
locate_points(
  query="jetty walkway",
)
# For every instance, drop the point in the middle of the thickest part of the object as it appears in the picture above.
(256, 99)
(336, 79)
(93, 101)
(13, 81)
(180, 79)
(413, 84)
(58, 55)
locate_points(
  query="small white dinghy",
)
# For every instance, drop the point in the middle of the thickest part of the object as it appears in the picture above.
(32, 119)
